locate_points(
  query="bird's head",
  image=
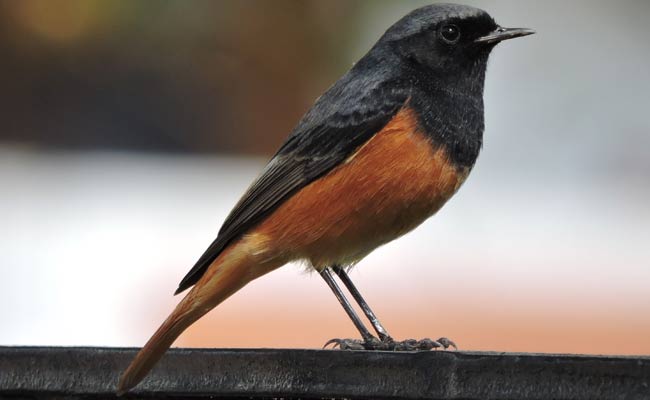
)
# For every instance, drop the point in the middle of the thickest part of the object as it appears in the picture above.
(446, 39)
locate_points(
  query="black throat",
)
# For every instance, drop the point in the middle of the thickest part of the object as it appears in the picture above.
(450, 110)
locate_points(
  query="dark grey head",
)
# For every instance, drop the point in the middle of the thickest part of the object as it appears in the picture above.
(446, 38)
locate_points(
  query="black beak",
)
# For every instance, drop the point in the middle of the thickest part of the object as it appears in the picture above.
(504, 34)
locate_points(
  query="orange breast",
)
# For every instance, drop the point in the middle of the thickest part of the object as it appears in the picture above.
(385, 189)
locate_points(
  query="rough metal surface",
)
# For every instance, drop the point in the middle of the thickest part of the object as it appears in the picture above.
(46, 372)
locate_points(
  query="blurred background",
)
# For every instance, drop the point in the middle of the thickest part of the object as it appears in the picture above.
(129, 129)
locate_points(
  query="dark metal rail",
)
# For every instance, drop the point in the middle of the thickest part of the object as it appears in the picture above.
(59, 372)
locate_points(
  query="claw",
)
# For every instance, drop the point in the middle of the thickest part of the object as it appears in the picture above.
(336, 342)
(446, 343)
(346, 344)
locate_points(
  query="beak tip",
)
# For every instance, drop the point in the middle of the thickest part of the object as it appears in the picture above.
(502, 34)
(527, 31)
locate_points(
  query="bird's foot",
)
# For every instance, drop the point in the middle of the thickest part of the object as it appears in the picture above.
(423, 344)
(389, 344)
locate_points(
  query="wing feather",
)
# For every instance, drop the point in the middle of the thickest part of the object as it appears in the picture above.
(338, 123)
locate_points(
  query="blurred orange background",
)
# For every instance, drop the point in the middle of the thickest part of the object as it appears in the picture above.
(129, 129)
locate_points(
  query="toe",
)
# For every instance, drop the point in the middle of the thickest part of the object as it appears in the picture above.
(429, 344)
(447, 343)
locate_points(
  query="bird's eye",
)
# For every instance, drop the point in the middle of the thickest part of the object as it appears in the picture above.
(450, 33)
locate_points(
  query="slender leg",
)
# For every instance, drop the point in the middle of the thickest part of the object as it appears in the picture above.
(370, 342)
(365, 333)
(381, 331)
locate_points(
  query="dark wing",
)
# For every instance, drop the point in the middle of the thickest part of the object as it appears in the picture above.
(339, 123)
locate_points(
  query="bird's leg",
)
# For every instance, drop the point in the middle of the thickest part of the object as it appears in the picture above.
(369, 342)
(368, 339)
(379, 328)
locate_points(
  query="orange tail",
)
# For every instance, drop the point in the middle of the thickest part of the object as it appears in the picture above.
(233, 269)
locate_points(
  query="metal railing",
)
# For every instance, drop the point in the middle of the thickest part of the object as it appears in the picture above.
(60, 372)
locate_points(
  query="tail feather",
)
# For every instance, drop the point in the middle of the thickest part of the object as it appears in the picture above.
(227, 274)
(149, 355)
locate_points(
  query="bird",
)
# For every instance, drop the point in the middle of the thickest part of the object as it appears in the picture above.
(378, 153)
